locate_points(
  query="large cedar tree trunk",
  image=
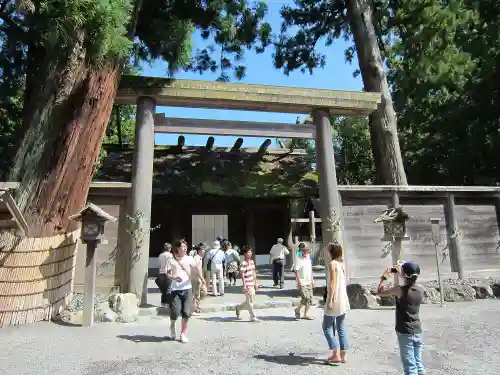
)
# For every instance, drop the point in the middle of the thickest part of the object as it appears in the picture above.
(64, 122)
(383, 123)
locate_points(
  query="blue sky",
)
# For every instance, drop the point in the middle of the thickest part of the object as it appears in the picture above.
(337, 75)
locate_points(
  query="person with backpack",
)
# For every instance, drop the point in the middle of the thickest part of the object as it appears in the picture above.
(409, 297)
(277, 259)
(232, 263)
(215, 264)
(162, 281)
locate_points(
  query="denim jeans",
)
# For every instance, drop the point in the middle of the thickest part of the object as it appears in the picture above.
(335, 332)
(410, 348)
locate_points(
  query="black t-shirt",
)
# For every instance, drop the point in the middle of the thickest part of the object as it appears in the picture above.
(408, 309)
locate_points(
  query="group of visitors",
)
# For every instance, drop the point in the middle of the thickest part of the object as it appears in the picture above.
(182, 279)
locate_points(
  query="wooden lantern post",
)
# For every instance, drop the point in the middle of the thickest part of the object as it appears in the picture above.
(93, 219)
(436, 239)
(394, 221)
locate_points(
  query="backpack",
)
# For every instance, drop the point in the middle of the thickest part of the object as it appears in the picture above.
(209, 264)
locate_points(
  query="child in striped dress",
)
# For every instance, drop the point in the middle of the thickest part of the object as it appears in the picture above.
(249, 277)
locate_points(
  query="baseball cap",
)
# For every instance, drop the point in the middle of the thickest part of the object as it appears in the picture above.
(410, 268)
(219, 238)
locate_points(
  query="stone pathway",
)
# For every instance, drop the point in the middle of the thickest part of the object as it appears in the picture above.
(267, 297)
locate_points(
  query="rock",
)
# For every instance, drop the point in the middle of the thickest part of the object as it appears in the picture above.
(360, 297)
(495, 288)
(71, 317)
(126, 306)
(103, 313)
(483, 291)
(458, 293)
(431, 296)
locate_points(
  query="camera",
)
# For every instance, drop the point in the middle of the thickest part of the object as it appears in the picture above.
(394, 270)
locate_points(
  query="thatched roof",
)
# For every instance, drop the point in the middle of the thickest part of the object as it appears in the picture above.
(197, 171)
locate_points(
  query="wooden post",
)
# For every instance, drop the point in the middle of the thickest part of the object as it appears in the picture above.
(250, 228)
(452, 234)
(397, 243)
(435, 238)
(294, 250)
(497, 210)
(142, 185)
(347, 255)
(312, 236)
(89, 291)
(328, 189)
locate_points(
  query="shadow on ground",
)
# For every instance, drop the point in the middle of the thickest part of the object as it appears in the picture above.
(290, 360)
(63, 323)
(262, 318)
(144, 338)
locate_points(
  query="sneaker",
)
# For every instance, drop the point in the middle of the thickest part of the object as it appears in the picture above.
(173, 335)
(237, 311)
(183, 338)
(255, 320)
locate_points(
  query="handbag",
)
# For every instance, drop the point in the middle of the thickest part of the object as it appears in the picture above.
(163, 283)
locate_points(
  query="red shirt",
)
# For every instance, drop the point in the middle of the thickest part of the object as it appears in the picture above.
(247, 273)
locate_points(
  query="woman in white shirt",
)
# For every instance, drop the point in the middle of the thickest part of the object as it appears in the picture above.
(336, 305)
(181, 269)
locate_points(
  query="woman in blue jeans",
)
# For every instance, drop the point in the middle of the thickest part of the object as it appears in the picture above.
(409, 297)
(336, 305)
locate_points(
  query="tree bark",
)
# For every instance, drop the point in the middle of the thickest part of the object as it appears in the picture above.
(383, 123)
(64, 121)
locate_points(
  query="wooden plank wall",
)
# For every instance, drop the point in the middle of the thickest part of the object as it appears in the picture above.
(478, 241)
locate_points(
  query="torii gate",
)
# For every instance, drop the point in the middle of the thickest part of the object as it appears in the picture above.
(147, 93)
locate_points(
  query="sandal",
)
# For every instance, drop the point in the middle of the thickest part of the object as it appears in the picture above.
(333, 362)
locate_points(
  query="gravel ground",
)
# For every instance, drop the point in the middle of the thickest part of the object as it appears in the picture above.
(461, 339)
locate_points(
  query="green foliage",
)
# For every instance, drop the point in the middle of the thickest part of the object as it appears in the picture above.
(39, 37)
(101, 24)
(313, 22)
(352, 149)
(164, 31)
(125, 116)
(442, 62)
(443, 70)
(353, 156)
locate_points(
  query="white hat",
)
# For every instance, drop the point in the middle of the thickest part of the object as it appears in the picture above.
(216, 245)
